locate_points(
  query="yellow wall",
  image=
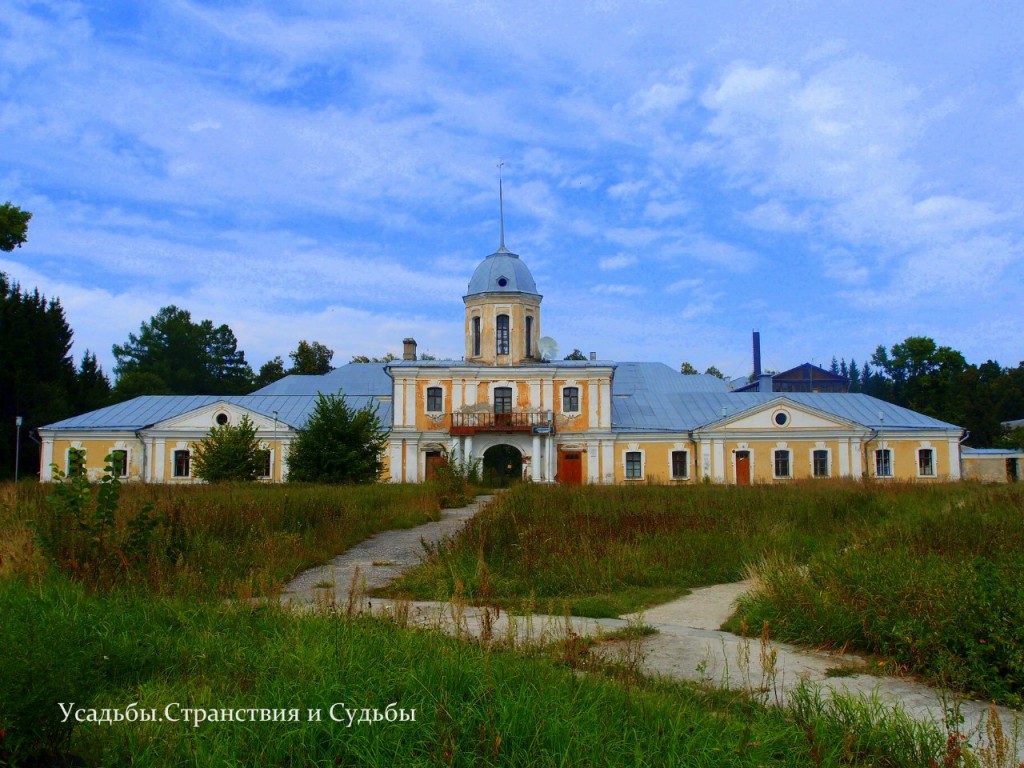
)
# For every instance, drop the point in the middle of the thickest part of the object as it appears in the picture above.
(487, 308)
(987, 469)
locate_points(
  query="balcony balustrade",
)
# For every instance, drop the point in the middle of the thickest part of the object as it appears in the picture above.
(516, 421)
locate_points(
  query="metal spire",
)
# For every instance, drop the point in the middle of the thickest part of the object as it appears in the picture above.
(501, 209)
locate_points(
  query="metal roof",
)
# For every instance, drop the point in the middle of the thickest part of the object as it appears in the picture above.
(145, 411)
(351, 379)
(502, 272)
(980, 453)
(651, 397)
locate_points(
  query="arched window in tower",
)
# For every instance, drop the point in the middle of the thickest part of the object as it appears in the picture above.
(476, 336)
(529, 336)
(501, 337)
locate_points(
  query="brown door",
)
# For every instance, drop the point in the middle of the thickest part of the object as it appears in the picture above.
(435, 459)
(570, 468)
(502, 406)
(742, 467)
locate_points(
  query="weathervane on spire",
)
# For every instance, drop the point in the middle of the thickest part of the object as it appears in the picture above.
(501, 208)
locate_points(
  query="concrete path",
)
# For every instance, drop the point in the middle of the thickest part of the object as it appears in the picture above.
(687, 646)
(380, 559)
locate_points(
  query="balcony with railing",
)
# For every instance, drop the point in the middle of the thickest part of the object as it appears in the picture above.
(516, 421)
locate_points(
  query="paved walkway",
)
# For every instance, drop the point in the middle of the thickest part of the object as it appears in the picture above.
(687, 646)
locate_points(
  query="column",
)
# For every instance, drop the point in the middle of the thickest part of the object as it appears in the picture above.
(535, 460)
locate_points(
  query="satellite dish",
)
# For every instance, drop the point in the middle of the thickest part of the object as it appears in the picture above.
(548, 348)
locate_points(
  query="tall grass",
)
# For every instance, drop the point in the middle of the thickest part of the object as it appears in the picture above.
(937, 592)
(214, 541)
(930, 577)
(474, 706)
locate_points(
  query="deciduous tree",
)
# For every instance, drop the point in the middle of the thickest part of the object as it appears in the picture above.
(311, 358)
(13, 226)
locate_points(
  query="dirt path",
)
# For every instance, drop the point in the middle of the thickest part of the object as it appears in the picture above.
(687, 645)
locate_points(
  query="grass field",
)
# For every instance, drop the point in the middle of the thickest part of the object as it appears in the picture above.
(931, 577)
(473, 706)
(122, 634)
(205, 541)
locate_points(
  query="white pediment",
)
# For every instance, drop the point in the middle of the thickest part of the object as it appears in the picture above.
(783, 416)
(205, 418)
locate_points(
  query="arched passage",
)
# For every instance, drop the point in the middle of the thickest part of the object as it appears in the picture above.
(503, 464)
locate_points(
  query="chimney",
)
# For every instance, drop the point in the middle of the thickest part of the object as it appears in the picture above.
(593, 355)
(757, 354)
(409, 349)
(764, 383)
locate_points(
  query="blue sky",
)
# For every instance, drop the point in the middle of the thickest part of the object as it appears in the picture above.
(836, 175)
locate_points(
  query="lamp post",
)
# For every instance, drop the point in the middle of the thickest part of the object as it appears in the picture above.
(276, 453)
(17, 448)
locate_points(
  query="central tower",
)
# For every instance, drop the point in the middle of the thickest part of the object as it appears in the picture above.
(502, 312)
(502, 308)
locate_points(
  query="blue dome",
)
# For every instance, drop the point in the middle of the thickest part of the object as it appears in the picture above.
(502, 272)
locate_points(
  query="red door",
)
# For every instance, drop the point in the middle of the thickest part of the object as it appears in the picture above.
(570, 468)
(435, 459)
(742, 467)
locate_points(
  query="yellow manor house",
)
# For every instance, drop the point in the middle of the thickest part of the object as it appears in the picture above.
(587, 421)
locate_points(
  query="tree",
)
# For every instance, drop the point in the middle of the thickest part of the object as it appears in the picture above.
(188, 358)
(712, 371)
(339, 444)
(687, 369)
(229, 453)
(92, 387)
(575, 355)
(386, 358)
(311, 359)
(271, 371)
(37, 373)
(13, 226)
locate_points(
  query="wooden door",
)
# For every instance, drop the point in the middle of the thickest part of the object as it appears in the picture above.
(570, 467)
(742, 467)
(435, 459)
(502, 406)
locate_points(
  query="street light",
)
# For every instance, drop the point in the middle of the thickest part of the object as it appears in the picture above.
(17, 448)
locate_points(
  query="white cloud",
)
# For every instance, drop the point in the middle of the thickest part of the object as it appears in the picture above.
(619, 289)
(620, 261)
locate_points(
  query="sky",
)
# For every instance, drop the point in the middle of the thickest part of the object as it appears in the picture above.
(676, 174)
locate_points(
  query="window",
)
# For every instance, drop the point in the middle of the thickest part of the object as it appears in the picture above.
(529, 336)
(570, 399)
(883, 463)
(634, 465)
(476, 336)
(76, 462)
(263, 462)
(503, 405)
(680, 466)
(781, 418)
(782, 464)
(119, 461)
(501, 337)
(221, 419)
(435, 397)
(926, 462)
(820, 463)
(181, 464)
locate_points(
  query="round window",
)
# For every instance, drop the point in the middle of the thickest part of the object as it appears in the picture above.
(781, 418)
(502, 281)
(221, 419)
